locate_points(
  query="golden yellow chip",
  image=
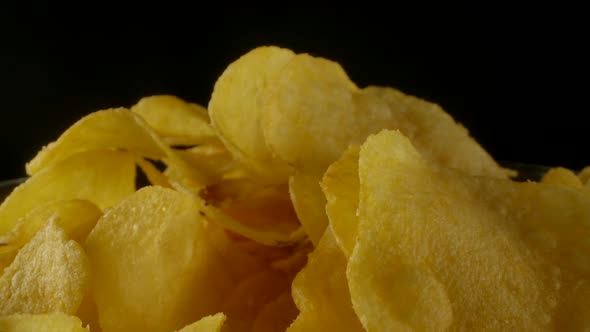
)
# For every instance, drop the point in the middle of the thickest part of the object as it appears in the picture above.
(103, 177)
(153, 269)
(309, 203)
(214, 161)
(341, 188)
(50, 273)
(176, 121)
(584, 176)
(277, 314)
(250, 296)
(437, 248)
(436, 134)
(116, 128)
(76, 217)
(562, 176)
(212, 323)
(312, 113)
(320, 291)
(235, 109)
(52, 322)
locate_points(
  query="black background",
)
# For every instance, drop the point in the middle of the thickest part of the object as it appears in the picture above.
(516, 78)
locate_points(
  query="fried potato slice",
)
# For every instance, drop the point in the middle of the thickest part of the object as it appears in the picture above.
(103, 177)
(313, 111)
(320, 291)
(50, 273)
(309, 203)
(437, 136)
(562, 176)
(212, 323)
(341, 187)
(52, 322)
(235, 109)
(584, 176)
(155, 232)
(175, 120)
(437, 248)
(114, 128)
(76, 217)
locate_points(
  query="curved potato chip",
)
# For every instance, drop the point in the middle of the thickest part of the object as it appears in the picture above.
(266, 237)
(53, 322)
(341, 187)
(50, 273)
(436, 134)
(76, 217)
(320, 291)
(213, 323)
(309, 203)
(152, 173)
(250, 296)
(175, 120)
(502, 254)
(314, 111)
(155, 232)
(277, 314)
(584, 176)
(103, 177)
(562, 176)
(114, 128)
(235, 109)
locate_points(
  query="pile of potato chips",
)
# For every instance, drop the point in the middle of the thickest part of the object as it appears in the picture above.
(295, 201)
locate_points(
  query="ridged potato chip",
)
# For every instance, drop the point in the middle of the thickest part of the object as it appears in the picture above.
(438, 248)
(49, 274)
(341, 187)
(175, 120)
(320, 291)
(151, 261)
(235, 109)
(53, 322)
(436, 134)
(103, 177)
(212, 323)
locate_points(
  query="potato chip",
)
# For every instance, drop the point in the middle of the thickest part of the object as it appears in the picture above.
(115, 128)
(7, 254)
(436, 134)
(341, 188)
(50, 273)
(53, 322)
(217, 215)
(102, 177)
(309, 203)
(584, 176)
(277, 314)
(213, 161)
(562, 176)
(235, 109)
(438, 248)
(155, 232)
(176, 121)
(87, 312)
(250, 296)
(313, 112)
(76, 217)
(212, 323)
(152, 173)
(321, 293)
